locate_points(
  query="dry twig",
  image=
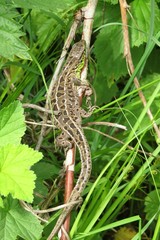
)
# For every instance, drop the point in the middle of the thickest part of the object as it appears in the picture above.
(127, 53)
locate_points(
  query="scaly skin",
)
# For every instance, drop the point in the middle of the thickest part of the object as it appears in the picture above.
(67, 113)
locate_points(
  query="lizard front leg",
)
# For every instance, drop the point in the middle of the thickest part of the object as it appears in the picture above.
(87, 91)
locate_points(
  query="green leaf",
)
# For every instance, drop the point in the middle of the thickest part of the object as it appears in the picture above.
(134, 107)
(47, 27)
(15, 221)
(47, 5)
(12, 126)
(44, 170)
(11, 44)
(15, 174)
(108, 49)
(152, 204)
(41, 189)
(1, 202)
(102, 89)
(141, 11)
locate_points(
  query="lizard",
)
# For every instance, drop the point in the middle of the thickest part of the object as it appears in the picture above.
(67, 117)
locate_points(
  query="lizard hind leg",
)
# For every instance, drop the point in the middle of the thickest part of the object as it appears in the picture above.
(63, 141)
(86, 114)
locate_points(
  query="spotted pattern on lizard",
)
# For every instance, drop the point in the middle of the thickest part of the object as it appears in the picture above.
(67, 116)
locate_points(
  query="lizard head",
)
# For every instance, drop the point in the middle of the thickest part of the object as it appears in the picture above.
(81, 57)
(76, 58)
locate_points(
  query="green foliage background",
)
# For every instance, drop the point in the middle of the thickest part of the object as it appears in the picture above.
(124, 186)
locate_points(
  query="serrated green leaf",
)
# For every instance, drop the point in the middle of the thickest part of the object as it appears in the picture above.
(6, 9)
(156, 178)
(1, 202)
(47, 5)
(11, 44)
(12, 126)
(102, 89)
(15, 221)
(15, 176)
(134, 108)
(141, 11)
(152, 204)
(108, 49)
(45, 170)
(41, 189)
(47, 27)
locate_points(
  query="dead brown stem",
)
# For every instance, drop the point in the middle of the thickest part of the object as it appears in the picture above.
(127, 54)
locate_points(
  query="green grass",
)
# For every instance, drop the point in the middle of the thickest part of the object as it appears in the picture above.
(124, 187)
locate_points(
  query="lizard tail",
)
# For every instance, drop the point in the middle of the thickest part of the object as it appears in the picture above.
(86, 164)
